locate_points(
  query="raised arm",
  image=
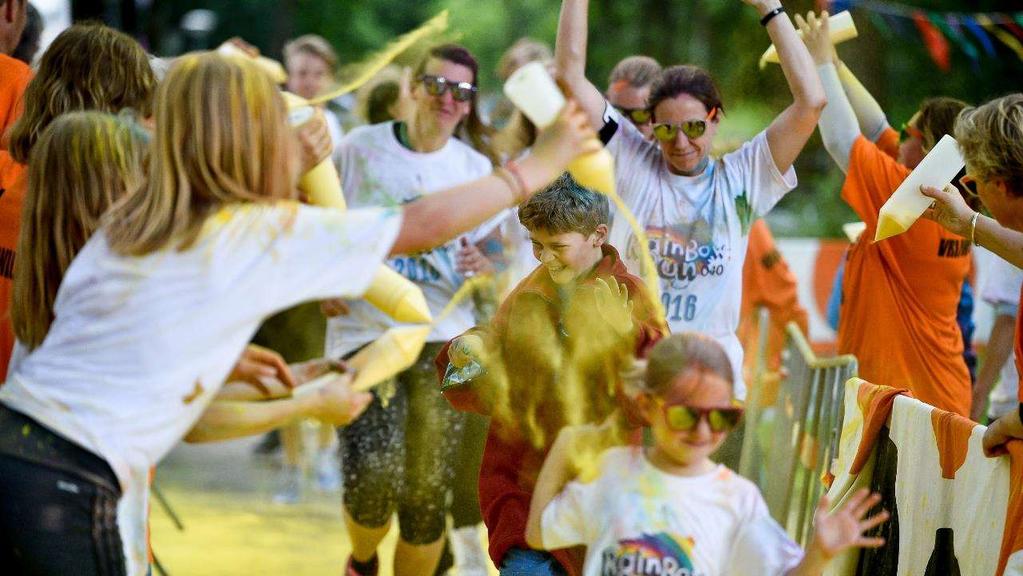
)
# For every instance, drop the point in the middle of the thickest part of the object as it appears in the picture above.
(790, 131)
(869, 114)
(570, 59)
(438, 217)
(839, 128)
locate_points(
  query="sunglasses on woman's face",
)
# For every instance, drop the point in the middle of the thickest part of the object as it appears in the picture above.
(667, 131)
(638, 116)
(970, 186)
(909, 131)
(682, 418)
(438, 85)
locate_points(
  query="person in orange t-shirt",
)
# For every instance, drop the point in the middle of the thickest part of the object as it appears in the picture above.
(767, 282)
(900, 295)
(14, 77)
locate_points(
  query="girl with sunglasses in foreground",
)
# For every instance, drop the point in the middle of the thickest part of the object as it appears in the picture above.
(900, 296)
(667, 508)
(696, 210)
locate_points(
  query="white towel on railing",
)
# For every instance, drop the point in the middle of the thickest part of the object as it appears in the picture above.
(944, 481)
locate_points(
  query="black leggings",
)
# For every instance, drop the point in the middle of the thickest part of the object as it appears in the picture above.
(403, 455)
(58, 505)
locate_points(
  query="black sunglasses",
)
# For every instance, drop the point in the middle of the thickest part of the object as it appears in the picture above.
(438, 85)
(638, 116)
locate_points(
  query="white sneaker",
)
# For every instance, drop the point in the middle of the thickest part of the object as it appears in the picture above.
(328, 470)
(289, 490)
(470, 557)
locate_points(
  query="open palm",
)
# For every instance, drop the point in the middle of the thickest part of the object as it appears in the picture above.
(837, 531)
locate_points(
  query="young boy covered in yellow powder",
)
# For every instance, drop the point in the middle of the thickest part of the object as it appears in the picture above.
(549, 358)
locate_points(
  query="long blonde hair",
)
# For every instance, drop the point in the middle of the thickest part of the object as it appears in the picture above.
(81, 164)
(221, 137)
(88, 67)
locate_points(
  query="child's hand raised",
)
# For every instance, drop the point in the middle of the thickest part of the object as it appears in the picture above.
(835, 532)
(614, 305)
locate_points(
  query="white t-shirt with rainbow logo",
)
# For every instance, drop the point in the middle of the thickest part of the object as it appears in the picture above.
(636, 520)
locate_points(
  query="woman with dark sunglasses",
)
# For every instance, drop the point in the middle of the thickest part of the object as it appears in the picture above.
(991, 138)
(697, 211)
(667, 504)
(900, 296)
(401, 455)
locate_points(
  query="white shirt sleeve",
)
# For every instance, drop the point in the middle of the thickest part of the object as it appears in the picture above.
(566, 519)
(1002, 285)
(292, 253)
(762, 546)
(751, 171)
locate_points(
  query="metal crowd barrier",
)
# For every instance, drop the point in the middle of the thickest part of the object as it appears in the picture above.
(789, 446)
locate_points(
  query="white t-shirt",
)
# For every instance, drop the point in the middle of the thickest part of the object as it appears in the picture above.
(140, 345)
(1001, 290)
(376, 170)
(636, 520)
(697, 226)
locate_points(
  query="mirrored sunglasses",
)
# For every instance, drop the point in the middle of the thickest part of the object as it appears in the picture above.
(667, 131)
(638, 116)
(682, 418)
(438, 85)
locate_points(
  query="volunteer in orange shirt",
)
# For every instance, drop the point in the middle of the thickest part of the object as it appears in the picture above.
(900, 295)
(767, 282)
(14, 77)
(991, 138)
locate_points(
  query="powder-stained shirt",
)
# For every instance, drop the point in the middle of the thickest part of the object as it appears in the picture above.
(377, 170)
(697, 227)
(636, 520)
(140, 345)
(900, 295)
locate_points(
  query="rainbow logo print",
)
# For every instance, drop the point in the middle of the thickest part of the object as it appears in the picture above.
(649, 555)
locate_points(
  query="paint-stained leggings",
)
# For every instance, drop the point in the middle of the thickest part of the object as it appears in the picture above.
(402, 456)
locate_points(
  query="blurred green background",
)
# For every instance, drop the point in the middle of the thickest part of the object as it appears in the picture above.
(721, 35)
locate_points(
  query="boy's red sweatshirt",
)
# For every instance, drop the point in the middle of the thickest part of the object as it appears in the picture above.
(510, 462)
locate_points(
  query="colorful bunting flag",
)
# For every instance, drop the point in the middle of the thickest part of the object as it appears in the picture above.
(938, 28)
(936, 44)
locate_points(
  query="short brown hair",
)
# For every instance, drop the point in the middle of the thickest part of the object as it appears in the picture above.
(315, 46)
(686, 79)
(88, 67)
(991, 137)
(637, 71)
(565, 206)
(937, 118)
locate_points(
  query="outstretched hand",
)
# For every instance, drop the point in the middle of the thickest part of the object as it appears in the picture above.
(817, 37)
(614, 306)
(257, 363)
(949, 209)
(837, 531)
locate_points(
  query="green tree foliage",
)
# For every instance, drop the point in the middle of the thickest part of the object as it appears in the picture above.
(720, 35)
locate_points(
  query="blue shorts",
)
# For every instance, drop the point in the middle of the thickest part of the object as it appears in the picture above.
(519, 562)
